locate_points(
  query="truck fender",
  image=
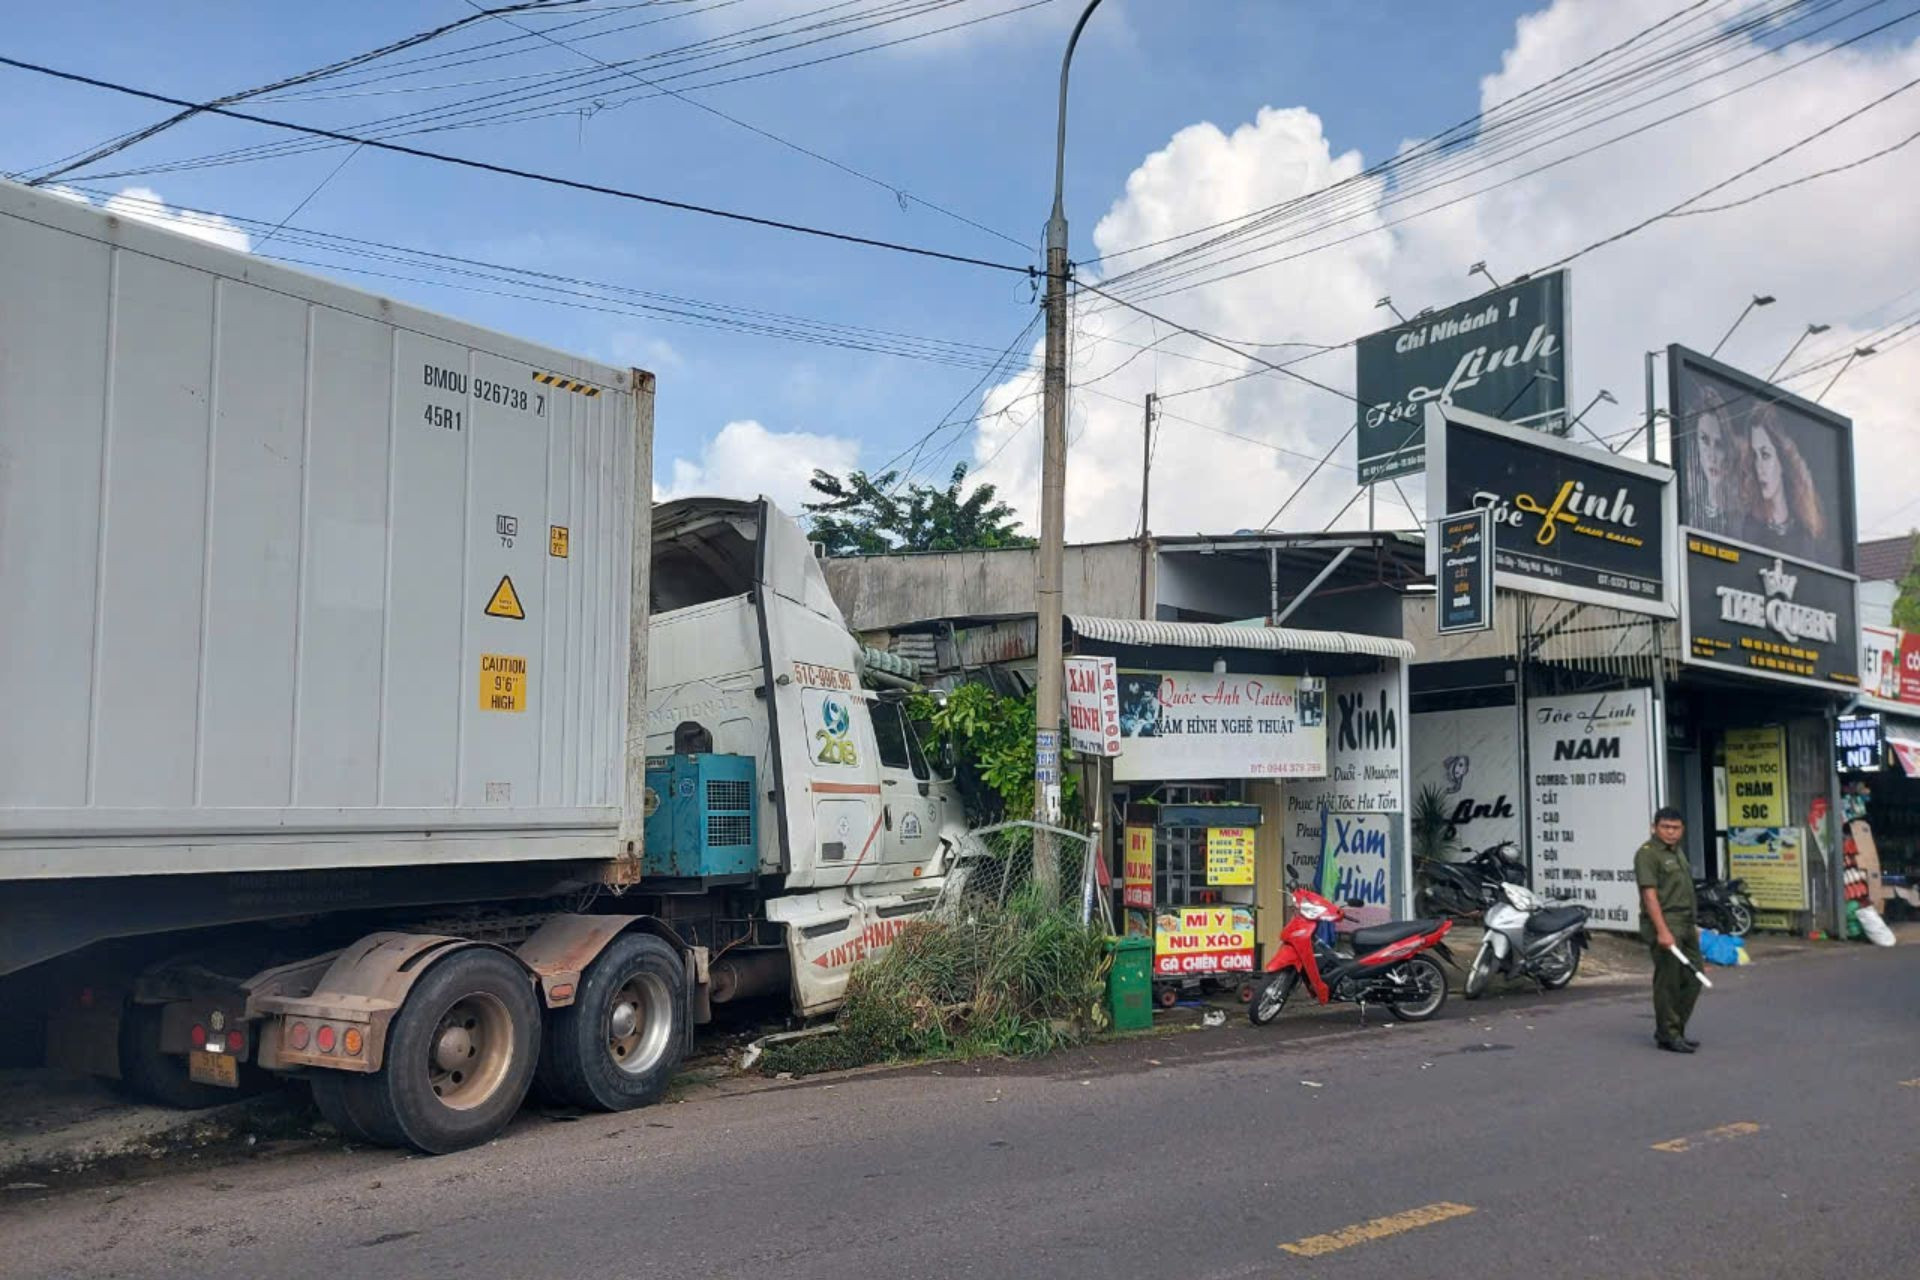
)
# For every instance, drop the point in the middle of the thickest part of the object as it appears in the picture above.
(366, 983)
(563, 948)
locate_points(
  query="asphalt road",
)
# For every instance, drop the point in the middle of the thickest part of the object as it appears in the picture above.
(1527, 1136)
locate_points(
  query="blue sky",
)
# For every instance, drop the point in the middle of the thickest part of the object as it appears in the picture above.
(962, 120)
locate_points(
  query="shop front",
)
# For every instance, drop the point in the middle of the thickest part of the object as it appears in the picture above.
(1770, 636)
(1543, 729)
(1239, 752)
(1877, 752)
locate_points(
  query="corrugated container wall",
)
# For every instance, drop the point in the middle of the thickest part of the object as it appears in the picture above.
(281, 560)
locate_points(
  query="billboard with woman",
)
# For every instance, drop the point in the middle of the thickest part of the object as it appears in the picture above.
(1760, 465)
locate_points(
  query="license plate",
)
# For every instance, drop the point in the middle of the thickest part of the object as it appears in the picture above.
(213, 1068)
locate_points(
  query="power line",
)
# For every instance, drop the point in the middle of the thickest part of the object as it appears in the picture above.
(527, 174)
(1783, 152)
(899, 193)
(190, 109)
(1162, 287)
(576, 292)
(510, 106)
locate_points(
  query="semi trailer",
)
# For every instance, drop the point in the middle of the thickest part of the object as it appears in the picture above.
(363, 720)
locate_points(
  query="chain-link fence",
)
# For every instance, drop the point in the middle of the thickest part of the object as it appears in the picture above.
(1050, 867)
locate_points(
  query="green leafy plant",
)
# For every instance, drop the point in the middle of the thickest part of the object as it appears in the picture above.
(1012, 981)
(992, 742)
(1906, 606)
(859, 514)
(1429, 820)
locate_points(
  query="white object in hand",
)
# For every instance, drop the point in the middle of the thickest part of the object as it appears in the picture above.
(1681, 956)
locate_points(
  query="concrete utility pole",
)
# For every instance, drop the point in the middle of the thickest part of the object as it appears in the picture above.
(1053, 494)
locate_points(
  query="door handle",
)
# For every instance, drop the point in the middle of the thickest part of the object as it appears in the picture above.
(889, 782)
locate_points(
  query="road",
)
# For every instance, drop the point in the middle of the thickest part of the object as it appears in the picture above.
(1528, 1136)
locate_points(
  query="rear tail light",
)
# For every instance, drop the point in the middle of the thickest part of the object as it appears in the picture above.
(237, 1040)
(299, 1034)
(199, 1036)
(352, 1042)
(323, 1039)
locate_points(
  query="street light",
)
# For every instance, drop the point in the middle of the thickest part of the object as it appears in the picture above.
(1805, 334)
(1604, 395)
(1759, 300)
(1858, 353)
(1053, 492)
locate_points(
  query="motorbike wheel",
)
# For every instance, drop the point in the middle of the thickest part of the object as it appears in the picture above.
(1479, 973)
(1271, 997)
(1557, 966)
(1739, 919)
(1425, 977)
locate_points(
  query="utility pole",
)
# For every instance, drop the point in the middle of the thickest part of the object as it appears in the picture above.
(1053, 493)
(1651, 357)
(1146, 463)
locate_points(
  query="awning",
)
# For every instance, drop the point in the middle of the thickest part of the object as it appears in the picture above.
(1219, 635)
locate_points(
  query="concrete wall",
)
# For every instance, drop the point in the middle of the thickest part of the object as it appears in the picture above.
(877, 592)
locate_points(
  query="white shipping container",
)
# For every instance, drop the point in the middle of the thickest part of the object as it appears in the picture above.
(294, 576)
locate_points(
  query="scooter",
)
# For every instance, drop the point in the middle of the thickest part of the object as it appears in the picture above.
(1724, 905)
(1388, 964)
(1528, 936)
(1470, 886)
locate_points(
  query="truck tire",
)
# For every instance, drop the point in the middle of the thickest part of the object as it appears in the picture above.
(617, 1046)
(460, 1055)
(330, 1096)
(161, 1078)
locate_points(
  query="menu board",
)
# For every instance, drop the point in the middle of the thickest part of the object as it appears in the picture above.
(1591, 792)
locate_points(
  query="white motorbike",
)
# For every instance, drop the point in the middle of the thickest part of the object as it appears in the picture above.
(1527, 936)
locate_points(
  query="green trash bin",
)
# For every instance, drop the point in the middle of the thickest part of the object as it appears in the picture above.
(1130, 983)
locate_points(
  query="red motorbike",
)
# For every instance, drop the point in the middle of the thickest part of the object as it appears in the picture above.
(1389, 964)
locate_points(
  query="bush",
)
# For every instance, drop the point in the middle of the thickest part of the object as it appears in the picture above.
(1008, 981)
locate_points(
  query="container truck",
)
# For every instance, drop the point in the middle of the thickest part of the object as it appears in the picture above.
(365, 721)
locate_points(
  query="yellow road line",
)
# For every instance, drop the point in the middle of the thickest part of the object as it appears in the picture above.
(1377, 1229)
(1738, 1129)
(1913, 1083)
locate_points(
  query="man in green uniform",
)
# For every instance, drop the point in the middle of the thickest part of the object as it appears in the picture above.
(1665, 878)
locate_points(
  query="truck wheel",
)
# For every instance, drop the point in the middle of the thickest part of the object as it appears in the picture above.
(460, 1055)
(330, 1096)
(618, 1044)
(161, 1078)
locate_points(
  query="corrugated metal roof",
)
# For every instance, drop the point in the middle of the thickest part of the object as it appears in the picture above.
(1218, 635)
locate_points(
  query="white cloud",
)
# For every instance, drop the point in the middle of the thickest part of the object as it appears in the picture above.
(746, 460)
(1830, 251)
(145, 205)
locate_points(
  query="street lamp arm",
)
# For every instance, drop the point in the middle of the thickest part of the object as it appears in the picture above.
(1059, 219)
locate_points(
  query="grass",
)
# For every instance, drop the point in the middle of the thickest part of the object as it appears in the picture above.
(1011, 981)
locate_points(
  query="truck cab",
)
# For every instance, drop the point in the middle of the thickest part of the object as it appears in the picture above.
(857, 825)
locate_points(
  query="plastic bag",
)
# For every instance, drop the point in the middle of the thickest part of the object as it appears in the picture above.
(1719, 948)
(1875, 928)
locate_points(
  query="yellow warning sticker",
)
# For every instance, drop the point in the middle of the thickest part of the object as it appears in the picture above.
(503, 682)
(506, 601)
(557, 541)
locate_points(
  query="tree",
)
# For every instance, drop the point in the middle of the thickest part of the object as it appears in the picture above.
(1906, 606)
(872, 515)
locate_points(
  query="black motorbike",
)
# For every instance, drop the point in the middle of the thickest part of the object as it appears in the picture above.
(1723, 905)
(1470, 886)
